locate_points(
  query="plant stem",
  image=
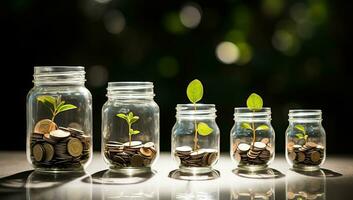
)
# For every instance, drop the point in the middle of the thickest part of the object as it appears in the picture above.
(195, 137)
(129, 134)
(254, 133)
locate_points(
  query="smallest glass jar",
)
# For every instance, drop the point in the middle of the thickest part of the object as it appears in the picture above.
(305, 140)
(252, 139)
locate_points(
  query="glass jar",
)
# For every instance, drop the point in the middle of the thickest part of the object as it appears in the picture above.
(59, 119)
(192, 151)
(130, 127)
(305, 140)
(252, 139)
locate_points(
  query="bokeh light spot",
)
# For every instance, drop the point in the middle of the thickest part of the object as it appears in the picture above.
(97, 76)
(272, 7)
(286, 42)
(190, 15)
(168, 66)
(227, 52)
(173, 24)
(114, 21)
(245, 53)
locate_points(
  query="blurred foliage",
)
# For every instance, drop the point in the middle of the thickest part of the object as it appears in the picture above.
(290, 52)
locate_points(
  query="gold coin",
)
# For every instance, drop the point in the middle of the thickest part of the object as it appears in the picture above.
(146, 152)
(315, 156)
(301, 156)
(74, 147)
(292, 155)
(38, 152)
(45, 126)
(49, 151)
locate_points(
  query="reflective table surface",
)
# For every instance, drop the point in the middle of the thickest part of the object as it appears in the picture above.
(19, 181)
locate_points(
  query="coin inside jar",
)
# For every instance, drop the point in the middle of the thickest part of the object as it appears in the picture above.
(146, 152)
(49, 151)
(74, 147)
(45, 126)
(132, 143)
(59, 134)
(38, 152)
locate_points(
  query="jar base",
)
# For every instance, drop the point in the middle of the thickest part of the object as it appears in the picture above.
(59, 170)
(252, 168)
(194, 173)
(306, 168)
(130, 171)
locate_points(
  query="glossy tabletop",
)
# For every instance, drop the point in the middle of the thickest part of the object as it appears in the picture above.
(19, 181)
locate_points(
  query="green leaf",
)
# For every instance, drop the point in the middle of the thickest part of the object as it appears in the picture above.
(47, 99)
(65, 108)
(254, 102)
(246, 125)
(134, 132)
(130, 116)
(262, 128)
(305, 137)
(194, 91)
(300, 127)
(203, 129)
(122, 116)
(299, 135)
(134, 119)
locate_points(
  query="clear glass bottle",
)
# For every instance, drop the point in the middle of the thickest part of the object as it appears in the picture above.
(305, 140)
(59, 119)
(252, 139)
(130, 127)
(195, 153)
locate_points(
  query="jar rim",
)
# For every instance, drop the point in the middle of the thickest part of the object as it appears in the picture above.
(246, 113)
(305, 114)
(54, 75)
(202, 110)
(130, 90)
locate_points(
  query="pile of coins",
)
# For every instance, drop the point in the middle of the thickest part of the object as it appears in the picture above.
(258, 153)
(198, 158)
(130, 154)
(53, 147)
(308, 154)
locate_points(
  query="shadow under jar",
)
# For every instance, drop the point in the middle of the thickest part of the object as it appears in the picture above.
(305, 140)
(130, 127)
(59, 119)
(192, 151)
(252, 139)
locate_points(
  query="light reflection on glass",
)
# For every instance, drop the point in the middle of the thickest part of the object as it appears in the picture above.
(205, 190)
(253, 189)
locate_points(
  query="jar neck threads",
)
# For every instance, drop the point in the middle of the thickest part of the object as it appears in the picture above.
(59, 75)
(130, 90)
(196, 111)
(244, 114)
(305, 115)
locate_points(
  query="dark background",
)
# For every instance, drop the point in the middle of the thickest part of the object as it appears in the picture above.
(295, 54)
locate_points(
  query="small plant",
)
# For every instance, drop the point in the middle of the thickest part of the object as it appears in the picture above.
(194, 92)
(130, 119)
(55, 105)
(254, 103)
(302, 132)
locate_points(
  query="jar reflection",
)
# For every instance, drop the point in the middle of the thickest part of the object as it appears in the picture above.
(41, 185)
(306, 185)
(135, 187)
(253, 189)
(208, 190)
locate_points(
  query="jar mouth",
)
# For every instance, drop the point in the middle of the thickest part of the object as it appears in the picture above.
(305, 114)
(202, 110)
(130, 89)
(245, 113)
(52, 75)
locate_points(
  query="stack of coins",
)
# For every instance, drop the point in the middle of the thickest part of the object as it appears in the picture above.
(130, 154)
(58, 148)
(257, 153)
(310, 153)
(198, 158)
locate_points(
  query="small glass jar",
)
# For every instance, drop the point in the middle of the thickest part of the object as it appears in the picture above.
(130, 127)
(195, 153)
(305, 140)
(59, 119)
(252, 139)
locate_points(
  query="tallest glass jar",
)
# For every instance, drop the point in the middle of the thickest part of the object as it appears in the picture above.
(59, 119)
(130, 127)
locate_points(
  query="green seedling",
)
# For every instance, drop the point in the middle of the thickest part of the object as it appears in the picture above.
(302, 132)
(130, 119)
(194, 92)
(55, 105)
(254, 103)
